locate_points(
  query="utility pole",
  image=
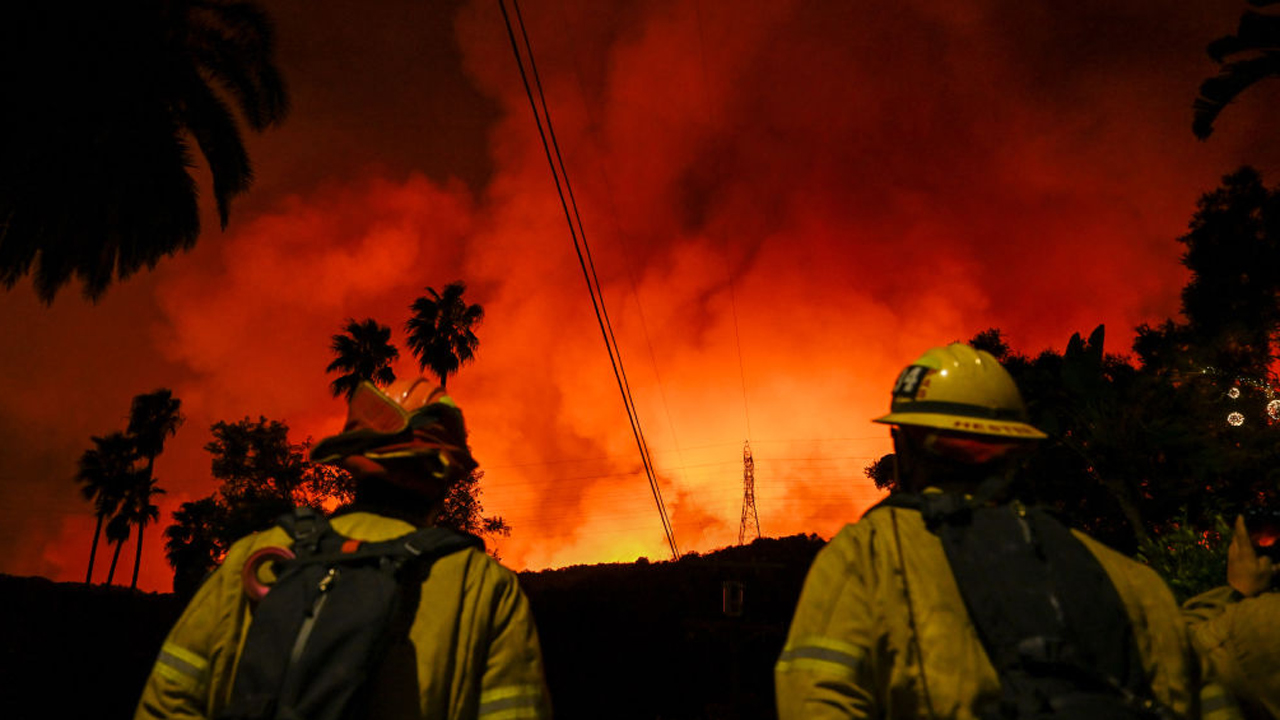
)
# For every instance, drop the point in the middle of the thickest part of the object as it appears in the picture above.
(749, 517)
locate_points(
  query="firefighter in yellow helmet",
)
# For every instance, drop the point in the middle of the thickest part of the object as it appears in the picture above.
(476, 648)
(884, 626)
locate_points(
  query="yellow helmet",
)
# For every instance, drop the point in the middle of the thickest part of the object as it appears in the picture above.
(960, 389)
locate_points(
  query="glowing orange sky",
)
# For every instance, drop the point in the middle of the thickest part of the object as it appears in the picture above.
(829, 187)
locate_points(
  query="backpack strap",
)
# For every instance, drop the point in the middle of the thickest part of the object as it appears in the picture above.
(423, 545)
(438, 542)
(307, 526)
(428, 542)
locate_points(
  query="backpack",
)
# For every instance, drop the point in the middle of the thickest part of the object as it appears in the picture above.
(1046, 612)
(318, 636)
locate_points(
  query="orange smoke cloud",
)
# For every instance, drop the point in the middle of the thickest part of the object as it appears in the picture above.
(785, 202)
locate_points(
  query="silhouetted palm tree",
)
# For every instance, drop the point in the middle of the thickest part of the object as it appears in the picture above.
(193, 544)
(364, 352)
(153, 417)
(118, 528)
(137, 510)
(105, 471)
(441, 331)
(105, 99)
(1258, 36)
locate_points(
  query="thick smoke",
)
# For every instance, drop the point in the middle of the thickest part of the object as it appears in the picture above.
(785, 203)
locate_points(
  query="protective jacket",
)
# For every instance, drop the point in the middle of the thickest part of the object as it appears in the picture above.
(477, 652)
(1240, 637)
(881, 631)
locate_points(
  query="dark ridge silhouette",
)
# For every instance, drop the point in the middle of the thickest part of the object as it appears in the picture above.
(626, 640)
(653, 640)
(75, 650)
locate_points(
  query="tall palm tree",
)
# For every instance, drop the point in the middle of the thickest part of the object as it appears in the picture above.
(104, 472)
(106, 101)
(153, 418)
(364, 352)
(138, 510)
(1258, 38)
(441, 332)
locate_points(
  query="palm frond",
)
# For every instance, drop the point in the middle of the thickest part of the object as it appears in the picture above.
(234, 44)
(211, 123)
(1256, 31)
(363, 352)
(96, 181)
(1233, 78)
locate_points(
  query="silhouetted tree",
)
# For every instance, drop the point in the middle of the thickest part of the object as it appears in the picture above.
(1218, 359)
(364, 352)
(992, 341)
(194, 543)
(441, 333)
(1231, 305)
(153, 418)
(104, 472)
(118, 528)
(1257, 42)
(104, 100)
(137, 510)
(464, 511)
(1100, 465)
(263, 475)
(1130, 448)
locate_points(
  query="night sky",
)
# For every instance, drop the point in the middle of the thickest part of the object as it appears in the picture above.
(786, 202)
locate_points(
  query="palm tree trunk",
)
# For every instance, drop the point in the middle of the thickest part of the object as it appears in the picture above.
(93, 550)
(115, 557)
(142, 523)
(137, 558)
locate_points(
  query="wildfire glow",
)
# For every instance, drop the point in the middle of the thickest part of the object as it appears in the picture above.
(786, 203)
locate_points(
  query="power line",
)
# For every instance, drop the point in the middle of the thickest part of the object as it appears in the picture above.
(629, 261)
(584, 260)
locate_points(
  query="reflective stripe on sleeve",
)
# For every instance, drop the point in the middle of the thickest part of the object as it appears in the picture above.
(822, 655)
(180, 665)
(510, 702)
(1216, 704)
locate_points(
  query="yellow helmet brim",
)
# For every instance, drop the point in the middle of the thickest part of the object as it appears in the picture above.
(1011, 429)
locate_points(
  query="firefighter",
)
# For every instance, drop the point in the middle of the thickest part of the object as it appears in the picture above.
(477, 651)
(882, 629)
(1237, 627)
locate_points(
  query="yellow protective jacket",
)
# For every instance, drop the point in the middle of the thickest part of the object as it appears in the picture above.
(881, 631)
(1240, 637)
(476, 645)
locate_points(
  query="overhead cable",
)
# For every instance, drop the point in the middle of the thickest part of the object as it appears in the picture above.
(583, 250)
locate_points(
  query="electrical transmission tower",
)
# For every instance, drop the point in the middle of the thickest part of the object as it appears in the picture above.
(749, 517)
